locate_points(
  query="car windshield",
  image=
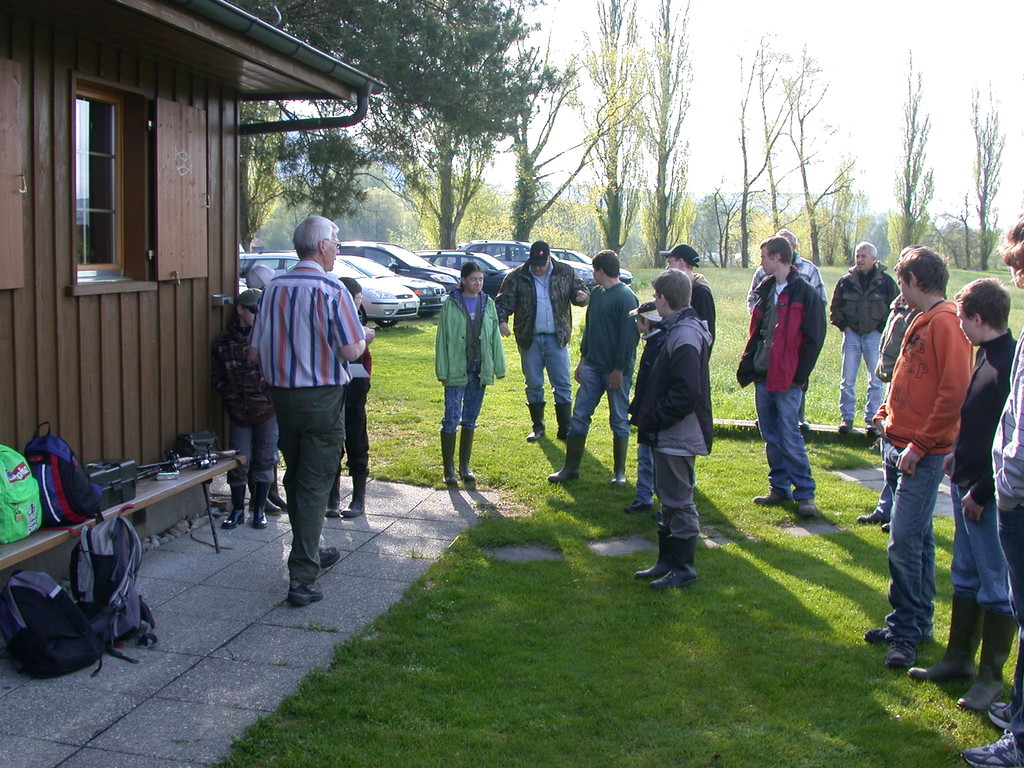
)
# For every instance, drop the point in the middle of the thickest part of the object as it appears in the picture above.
(571, 256)
(368, 267)
(455, 260)
(344, 269)
(488, 260)
(412, 260)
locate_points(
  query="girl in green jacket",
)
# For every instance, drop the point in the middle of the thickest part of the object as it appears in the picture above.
(469, 356)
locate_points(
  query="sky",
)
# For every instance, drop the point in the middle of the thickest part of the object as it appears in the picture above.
(862, 49)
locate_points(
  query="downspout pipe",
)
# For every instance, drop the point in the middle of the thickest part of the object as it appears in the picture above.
(313, 123)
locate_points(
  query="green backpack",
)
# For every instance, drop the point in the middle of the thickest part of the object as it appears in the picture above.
(20, 510)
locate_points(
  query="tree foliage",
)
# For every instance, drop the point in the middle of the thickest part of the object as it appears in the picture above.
(667, 83)
(989, 141)
(615, 70)
(915, 185)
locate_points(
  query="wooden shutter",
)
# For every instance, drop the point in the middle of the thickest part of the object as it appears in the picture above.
(182, 197)
(13, 184)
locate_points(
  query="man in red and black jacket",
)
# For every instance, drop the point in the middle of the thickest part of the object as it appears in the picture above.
(787, 331)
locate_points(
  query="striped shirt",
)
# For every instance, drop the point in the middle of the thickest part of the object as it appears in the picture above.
(305, 318)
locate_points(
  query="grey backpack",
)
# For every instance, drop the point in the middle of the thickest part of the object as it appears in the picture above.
(104, 568)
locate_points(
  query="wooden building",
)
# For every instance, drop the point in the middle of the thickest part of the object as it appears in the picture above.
(119, 195)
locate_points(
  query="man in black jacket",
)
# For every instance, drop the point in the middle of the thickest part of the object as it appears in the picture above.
(685, 258)
(860, 305)
(540, 294)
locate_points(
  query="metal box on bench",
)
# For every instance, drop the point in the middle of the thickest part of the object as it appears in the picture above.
(115, 478)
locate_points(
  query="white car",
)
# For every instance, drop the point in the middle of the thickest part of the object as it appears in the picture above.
(430, 294)
(385, 302)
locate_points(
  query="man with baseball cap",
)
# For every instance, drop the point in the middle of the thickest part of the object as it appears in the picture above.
(540, 294)
(685, 258)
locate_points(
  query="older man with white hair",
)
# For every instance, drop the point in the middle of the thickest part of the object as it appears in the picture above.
(860, 306)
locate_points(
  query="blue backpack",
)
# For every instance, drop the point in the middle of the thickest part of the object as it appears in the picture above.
(65, 492)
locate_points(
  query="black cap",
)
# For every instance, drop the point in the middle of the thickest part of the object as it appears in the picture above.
(648, 311)
(686, 253)
(539, 253)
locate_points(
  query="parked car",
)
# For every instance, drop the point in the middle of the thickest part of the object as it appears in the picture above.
(575, 257)
(515, 252)
(494, 270)
(401, 261)
(384, 302)
(430, 294)
(279, 261)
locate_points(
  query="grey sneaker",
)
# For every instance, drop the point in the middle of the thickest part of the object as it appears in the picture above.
(1000, 713)
(807, 508)
(999, 754)
(901, 655)
(303, 594)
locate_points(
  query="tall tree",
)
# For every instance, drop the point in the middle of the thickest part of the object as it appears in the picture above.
(668, 79)
(762, 76)
(615, 71)
(915, 185)
(455, 82)
(550, 92)
(989, 141)
(260, 183)
(804, 94)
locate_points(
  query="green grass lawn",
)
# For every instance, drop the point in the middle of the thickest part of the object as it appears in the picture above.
(572, 662)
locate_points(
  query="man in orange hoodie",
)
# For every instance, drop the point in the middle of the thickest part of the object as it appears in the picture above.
(918, 421)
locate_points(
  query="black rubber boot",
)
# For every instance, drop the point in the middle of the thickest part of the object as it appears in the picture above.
(965, 623)
(620, 448)
(237, 508)
(683, 573)
(574, 445)
(334, 498)
(274, 497)
(563, 415)
(465, 454)
(537, 417)
(664, 564)
(448, 457)
(997, 637)
(355, 504)
(259, 516)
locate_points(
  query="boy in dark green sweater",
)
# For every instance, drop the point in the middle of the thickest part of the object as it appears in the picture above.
(607, 353)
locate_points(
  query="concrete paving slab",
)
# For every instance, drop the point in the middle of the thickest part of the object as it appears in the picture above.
(25, 752)
(374, 565)
(211, 601)
(101, 758)
(181, 633)
(873, 478)
(287, 646)
(349, 603)
(229, 647)
(231, 683)
(163, 728)
(523, 553)
(84, 712)
(621, 546)
(811, 529)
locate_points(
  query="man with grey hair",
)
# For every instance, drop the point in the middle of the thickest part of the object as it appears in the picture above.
(860, 306)
(305, 333)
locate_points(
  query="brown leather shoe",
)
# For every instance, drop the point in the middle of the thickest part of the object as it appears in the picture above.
(772, 499)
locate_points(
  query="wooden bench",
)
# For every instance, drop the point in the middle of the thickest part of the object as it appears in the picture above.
(147, 492)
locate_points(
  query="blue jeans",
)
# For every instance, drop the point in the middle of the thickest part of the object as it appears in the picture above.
(789, 471)
(593, 384)
(1011, 538)
(857, 347)
(979, 568)
(644, 473)
(912, 547)
(462, 404)
(258, 443)
(544, 353)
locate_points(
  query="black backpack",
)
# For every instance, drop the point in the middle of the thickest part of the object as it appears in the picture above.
(67, 495)
(104, 568)
(46, 633)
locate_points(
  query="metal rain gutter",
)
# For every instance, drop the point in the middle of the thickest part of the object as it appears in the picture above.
(245, 23)
(312, 123)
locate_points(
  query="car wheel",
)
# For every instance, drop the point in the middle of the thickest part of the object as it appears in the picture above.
(362, 316)
(385, 323)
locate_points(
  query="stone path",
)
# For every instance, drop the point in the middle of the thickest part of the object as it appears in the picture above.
(230, 649)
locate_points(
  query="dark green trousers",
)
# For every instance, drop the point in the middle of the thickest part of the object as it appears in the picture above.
(311, 423)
